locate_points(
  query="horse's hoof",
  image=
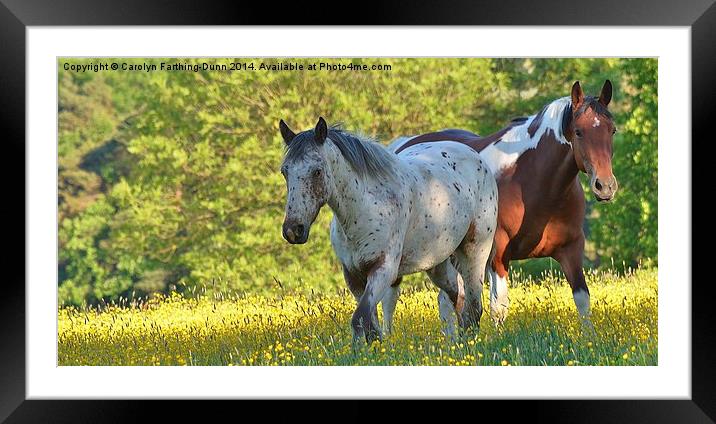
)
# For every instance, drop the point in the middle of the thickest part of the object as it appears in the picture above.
(498, 314)
(372, 336)
(588, 329)
(358, 335)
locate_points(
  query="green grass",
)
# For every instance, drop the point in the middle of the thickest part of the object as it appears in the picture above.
(294, 329)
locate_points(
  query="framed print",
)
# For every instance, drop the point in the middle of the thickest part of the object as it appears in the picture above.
(486, 211)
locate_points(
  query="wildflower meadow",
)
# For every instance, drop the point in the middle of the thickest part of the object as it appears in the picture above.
(314, 329)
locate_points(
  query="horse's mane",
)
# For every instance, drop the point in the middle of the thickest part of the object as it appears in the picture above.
(367, 157)
(590, 102)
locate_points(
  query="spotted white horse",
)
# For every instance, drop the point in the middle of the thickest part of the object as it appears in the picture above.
(394, 215)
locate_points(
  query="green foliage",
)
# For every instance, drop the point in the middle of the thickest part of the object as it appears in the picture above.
(185, 188)
(626, 231)
(85, 121)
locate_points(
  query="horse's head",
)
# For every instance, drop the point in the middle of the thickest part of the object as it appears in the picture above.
(304, 169)
(591, 133)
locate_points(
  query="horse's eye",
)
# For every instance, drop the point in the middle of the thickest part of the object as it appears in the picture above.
(578, 133)
(317, 173)
(614, 131)
(283, 171)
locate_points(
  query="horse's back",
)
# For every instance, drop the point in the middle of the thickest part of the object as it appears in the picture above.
(436, 152)
(448, 162)
(397, 143)
(451, 134)
(452, 187)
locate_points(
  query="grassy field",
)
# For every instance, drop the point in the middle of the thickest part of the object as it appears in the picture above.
(292, 329)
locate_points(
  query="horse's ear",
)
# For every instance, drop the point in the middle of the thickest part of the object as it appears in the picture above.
(321, 130)
(286, 132)
(577, 95)
(606, 95)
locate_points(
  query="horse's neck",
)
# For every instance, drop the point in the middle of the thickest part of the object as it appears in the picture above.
(349, 190)
(552, 165)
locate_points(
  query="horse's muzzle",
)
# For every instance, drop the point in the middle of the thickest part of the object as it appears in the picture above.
(605, 189)
(295, 233)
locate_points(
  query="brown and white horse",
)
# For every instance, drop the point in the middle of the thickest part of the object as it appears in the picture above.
(536, 161)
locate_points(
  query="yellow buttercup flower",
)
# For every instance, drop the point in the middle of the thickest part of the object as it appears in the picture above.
(315, 329)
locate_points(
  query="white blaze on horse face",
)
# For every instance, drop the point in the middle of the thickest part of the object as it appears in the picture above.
(517, 140)
(596, 122)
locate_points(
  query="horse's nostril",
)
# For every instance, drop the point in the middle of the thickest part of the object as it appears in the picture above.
(598, 185)
(298, 230)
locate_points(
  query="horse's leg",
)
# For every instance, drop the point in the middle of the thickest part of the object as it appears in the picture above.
(445, 305)
(380, 277)
(472, 258)
(570, 257)
(497, 271)
(355, 284)
(451, 298)
(390, 300)
(499, 301)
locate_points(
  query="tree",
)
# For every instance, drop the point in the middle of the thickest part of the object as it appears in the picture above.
(185, 164)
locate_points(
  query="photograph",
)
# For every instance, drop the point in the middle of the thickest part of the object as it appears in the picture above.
(357, 211)
(481, 201)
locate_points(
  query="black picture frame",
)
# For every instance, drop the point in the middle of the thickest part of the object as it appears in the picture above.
(16, 15)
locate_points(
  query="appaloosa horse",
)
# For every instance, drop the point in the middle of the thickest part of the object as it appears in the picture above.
(394, 215)
(536, 161)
